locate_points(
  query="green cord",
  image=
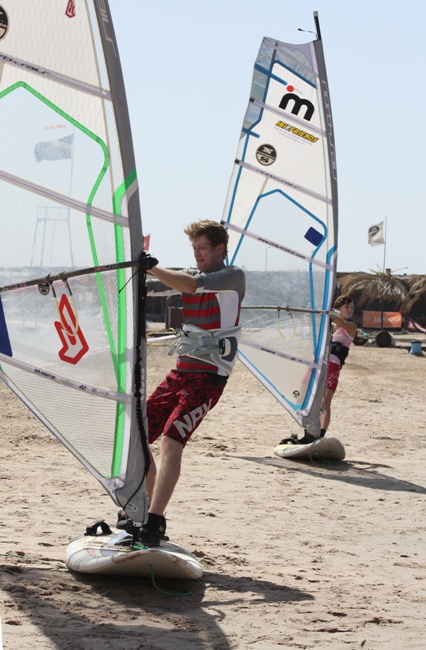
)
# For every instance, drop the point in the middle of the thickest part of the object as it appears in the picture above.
(186, 593)
(139, 546)
(319, 454)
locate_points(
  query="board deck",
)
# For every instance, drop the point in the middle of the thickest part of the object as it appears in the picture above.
(321, 449)
(106, 554)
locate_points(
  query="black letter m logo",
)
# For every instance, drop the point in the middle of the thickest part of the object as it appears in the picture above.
(298, 103)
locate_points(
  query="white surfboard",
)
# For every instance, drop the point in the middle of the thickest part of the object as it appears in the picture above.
(321, 449)
(108, 554)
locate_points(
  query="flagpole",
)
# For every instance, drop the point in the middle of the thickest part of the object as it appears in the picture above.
(385, 238)
(384, 271)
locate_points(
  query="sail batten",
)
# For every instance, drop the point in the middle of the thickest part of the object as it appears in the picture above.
(273, 244)
(94, 390)
(62, 199)
(284, 181)
(281, 215)
(283, 355)
(287, 308)
(67, 81)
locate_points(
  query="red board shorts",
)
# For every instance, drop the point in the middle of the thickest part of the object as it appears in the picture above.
(178, 405)
(333, 373)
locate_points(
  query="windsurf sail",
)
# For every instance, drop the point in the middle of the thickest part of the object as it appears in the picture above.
(412, 326)
(72, 337)
(281, 215)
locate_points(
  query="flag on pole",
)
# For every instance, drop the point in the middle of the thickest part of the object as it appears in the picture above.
(54, 149)
(376, 234)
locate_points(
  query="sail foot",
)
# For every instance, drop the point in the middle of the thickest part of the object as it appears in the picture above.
(135, 505)
(311, 422)
(312, 426)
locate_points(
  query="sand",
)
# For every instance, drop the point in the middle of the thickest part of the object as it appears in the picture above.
(295, 554)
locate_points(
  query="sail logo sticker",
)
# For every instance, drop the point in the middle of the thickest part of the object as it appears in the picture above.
(295, 131)
(266, 154)
(74, 345)
(297, 104)
(4, 23)
(70, 12)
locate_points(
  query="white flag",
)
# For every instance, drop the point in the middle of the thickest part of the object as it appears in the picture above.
(376, 235)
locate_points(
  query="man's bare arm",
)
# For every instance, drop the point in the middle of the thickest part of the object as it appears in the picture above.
(175, 279)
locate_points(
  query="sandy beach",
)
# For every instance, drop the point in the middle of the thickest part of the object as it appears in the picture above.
(295, 554)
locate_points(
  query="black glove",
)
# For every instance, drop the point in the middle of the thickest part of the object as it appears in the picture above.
(147, 261)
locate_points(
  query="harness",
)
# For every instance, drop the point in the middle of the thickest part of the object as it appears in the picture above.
(340, 351)
(217, 346)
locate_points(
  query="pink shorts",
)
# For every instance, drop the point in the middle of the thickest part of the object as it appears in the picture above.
(179, 404)
(333, 373)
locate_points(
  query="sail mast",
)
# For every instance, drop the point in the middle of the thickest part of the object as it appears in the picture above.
(317, 25)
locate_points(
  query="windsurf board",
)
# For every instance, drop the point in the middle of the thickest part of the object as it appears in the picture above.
(112, 554)
(321, 449)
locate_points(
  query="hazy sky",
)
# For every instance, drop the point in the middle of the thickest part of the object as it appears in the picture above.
(188, 66)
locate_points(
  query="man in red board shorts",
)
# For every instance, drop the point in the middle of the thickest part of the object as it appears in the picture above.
(211, 301)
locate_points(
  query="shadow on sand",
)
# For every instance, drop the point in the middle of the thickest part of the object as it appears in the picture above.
(368, 475)
(126, 613)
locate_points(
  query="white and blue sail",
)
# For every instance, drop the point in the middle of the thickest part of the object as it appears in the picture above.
(281, 215)
(73, 351)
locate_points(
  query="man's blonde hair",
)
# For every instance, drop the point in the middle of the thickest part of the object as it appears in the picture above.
(214, 231)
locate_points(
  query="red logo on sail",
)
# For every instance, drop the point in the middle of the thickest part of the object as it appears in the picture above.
(74, 345)
(70, 12)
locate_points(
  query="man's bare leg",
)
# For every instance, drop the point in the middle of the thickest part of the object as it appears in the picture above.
(151, 476)
(326, 413)
(167, 475)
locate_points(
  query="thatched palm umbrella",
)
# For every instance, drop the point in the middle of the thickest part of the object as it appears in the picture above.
(417, 289)
(371, 287)
(374, 286)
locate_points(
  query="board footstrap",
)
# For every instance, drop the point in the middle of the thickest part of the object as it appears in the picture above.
(93, 528)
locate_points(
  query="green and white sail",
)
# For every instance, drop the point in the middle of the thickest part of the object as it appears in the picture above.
(73, 353)
(281, 215)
